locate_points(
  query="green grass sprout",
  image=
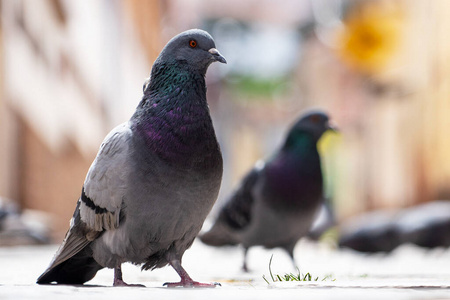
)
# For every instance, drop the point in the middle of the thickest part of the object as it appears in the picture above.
(293, 277)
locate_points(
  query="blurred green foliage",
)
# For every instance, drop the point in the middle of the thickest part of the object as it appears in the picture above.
(251, 88)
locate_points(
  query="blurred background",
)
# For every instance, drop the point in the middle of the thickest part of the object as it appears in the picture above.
(72, 70)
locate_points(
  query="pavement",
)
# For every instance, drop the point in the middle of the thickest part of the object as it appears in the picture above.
(409, 272)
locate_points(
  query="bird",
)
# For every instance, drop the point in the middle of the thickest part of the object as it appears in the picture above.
(374, 231)
(155, 177)
(277, 200)
(426, 225)
(21, 227)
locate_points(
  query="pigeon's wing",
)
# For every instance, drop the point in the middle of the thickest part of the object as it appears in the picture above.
(77, 238)
(236, 215)
(98, 208)
(237, 212)
(105, 184)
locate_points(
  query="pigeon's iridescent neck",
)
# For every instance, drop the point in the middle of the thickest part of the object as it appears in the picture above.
(173, 116)
(174, 89)
(169, 78)
(300, 142)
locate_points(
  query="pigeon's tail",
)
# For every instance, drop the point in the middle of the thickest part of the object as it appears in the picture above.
(219, 235)
(76, 270)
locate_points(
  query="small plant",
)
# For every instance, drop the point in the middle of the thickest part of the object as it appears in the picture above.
(293, 277)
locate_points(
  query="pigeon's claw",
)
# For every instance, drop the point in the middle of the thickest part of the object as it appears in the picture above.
(118, 281)
(123, 283)
(186, 280)
(191, 284)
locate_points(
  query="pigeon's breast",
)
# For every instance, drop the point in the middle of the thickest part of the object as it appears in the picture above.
(177, 171)
(164, 206)
(292, 182)
(180, 147)
(180, 134)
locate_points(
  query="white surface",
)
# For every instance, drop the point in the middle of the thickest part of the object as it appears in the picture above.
(407, 273)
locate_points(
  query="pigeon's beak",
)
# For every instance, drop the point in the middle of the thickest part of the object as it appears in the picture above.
(217, 56)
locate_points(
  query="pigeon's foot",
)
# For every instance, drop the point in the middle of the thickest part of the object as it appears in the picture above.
(186, 280)
(191, 284)
(119, 282)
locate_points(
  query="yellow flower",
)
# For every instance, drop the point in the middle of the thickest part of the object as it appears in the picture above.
(371, 35)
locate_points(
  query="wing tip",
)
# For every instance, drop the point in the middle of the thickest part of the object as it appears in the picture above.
(217, 238)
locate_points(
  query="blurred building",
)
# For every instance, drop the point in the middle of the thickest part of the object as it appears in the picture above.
(70, 71)
(386, 78)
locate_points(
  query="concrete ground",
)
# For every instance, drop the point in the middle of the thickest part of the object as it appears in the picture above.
(407, 273)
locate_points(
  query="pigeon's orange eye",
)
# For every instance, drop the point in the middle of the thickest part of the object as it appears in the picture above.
(193, 43)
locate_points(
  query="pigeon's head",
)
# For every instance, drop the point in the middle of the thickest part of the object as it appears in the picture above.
(194, 47)
(313, 123)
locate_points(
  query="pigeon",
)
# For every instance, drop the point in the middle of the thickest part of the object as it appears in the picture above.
(277, 201)
(154, 179)
(22, 227)
(370, 232)
(425, 225)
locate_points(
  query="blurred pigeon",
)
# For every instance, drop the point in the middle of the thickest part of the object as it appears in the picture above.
(155, 177)
(22, 227)
(370, 232)
(277, 201)
(426, 225)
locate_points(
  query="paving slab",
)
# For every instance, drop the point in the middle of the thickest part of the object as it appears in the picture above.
(409, 272)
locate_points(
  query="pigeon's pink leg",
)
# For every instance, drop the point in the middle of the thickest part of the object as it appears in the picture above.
(186, 280)
(118, 281)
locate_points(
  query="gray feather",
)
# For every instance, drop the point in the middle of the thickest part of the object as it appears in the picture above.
(106, 180)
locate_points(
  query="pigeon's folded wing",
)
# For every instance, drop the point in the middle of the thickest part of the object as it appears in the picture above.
(236, 215)
(237, 212)
(105, 184)
(99, 206)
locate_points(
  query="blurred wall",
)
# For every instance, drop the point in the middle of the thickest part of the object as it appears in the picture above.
(389, 92)
(71, 71)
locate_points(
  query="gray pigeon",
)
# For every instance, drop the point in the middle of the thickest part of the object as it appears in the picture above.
(277, 201)
(426, 225)
(21, 227)
(155, 177)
